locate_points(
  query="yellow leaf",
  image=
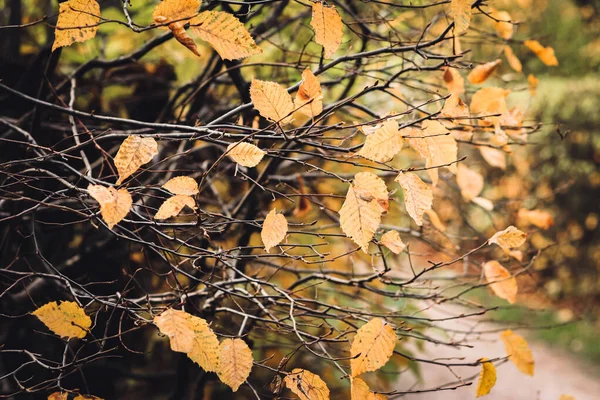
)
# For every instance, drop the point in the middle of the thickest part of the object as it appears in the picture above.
(502, 283)
(469, 181)
(489, 101)
(58, 396)
(225, 33)
(435, 220)
(134, 152)
(177, 13)
(545, 54)
(518, 351)
(114, 204)
(328, 27)
(77, 22)
(513, 61)
(503, 29)
(367, 185)
(494, 157)
(509, 238)
(87, 397)
(273, 230)
(384, 144)
(360, 391)
(191, 335)
(245, 154)
(566, 397)
(235, 362)
(481, 72)
(443, 149)
(393, 241)
(541, 219)
(418, 196)
(182, 185)
(454, 107)
(487, 378)
(272, 101)
(306, 385)
(309, 91)
(66, 319)
(533, 82)
(454, 81)
(173, 206)
(372, 347)
(461, 11)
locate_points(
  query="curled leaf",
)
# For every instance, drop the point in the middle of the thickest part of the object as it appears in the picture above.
(177, 13)
(480, 73)
(308, 99)
(545, 54)
(512, 59)
(487, 378)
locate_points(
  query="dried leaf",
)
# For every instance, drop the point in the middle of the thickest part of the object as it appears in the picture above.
(59, 396)
(77, 22)
(182, 185)
(191, 335)
(173, 206)
(494, 157)
(360, 391)
(368, 185)
(509, 238)
(502, 283)
(487, 378)
(393, 241)
(454, 107)
(418, 196)
(480, 73)
(518, 351)
(309, 91)
(134, 152)
(273, 230)
(360, 216)
(384, 144)
(461, 12)
(87, 397)
(545, 54)
(245, 154)
(177, 13)
(372, 347)
(436, 146)
(114, 204)
(272, 101)
(512, 59)
(469, 181)
(225, 33)
(328, 27)
(454, 81)
(235, 362)
(306, 385)
(489, 101)
(541, 219)
(504, 29)
(66, 319)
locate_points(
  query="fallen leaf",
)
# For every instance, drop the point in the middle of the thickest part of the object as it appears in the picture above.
(512, 59)
(545, 54)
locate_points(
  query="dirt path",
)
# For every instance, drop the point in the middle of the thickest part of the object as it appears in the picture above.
(556, 371)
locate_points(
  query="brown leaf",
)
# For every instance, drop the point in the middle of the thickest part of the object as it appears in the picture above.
(454, 81)
(518, 352)
(461, 11)
(509, 238)
(513, 61)
(77, 22)
(545, 54)
(328, 27)
(504, 29)
(177, 13)
(541, 219)
(173, 206)
(360, 391)
(502, 283)
(59, 396)
(393, 241)
(134, 152)
(384, 144)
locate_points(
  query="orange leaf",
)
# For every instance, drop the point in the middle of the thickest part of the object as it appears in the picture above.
(77, 22)
(481, 72)
(545, 54)
(503, 284)
(328, 27)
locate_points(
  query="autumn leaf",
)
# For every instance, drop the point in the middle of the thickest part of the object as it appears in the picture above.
(518, 351)
(328, 27)
(87, 397)
(480, 73)
(308, 99)
(566, 397)
(512, 59)
(454, 81)
(545, 54)
(177, 13)
(372, 346)
(533, 83)
(77, 22)
(368, 185)
(359, 390)
(191, 335)
(469, 181)
(502, 283)
(235, 362)
(504, 29)
(274, 229)
(461, 12)
(384, 144)
(393, 241)
(66, 319)
(509, 238)
(418, 196)
(306, 385)
(541, 219)
(134, 152)
(487, 378)
(225, 33)
(114, 204)
(489, 101)
(245, 154)
(494, 157)
(173, 206)
(272, 101)
(454, 107)
(58, 396)
(442, 149)
(182, 185)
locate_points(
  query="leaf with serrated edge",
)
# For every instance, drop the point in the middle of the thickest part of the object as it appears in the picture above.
(368, 185)
(392, 240)
(384, 144)
(518, 351)
(360, 391)
(182, 185)
(245, 154)
(461, 11)
(173, 206)
(308, 99)
(306, 385)
(509, 238)
(114, 204)
(418, 196)
(360, 217)
(134, 152)
(487, 378)
(272, 101)
(235, 362)
(66, 319)
(328, 27)
(225, 33)
(77, 22)
(502, 283)
(274, 229)
(372, 346)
